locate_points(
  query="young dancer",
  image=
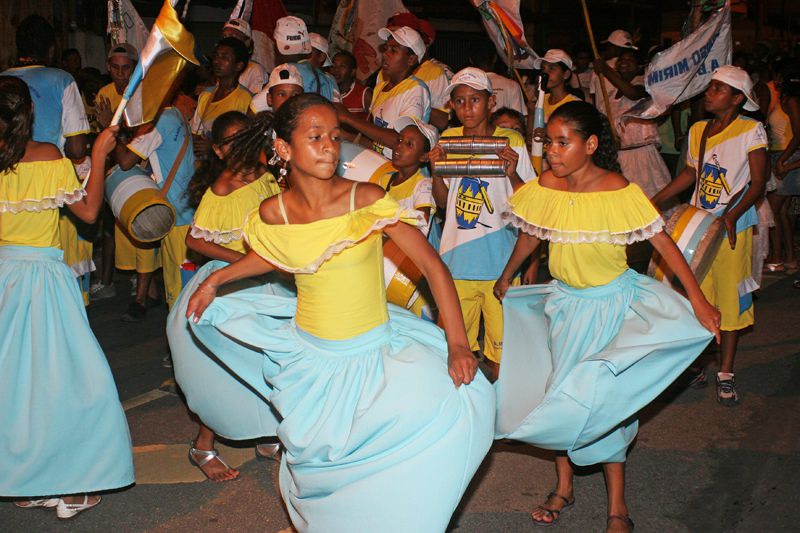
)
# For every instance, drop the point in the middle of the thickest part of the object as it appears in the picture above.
(731, 180)
(64, 432)
(383, 417)
(608, 340)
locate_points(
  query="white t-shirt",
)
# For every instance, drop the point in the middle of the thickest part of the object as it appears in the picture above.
(411, 97)
(476, 241)
(597, 91)
(254, 77)
(507, 93)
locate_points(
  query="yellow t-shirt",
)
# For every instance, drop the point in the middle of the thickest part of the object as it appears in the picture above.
(110, 92)
(587, 231)
(337, 264)
(220, 219)
(207, 111)
(549, 108)
(30, 196)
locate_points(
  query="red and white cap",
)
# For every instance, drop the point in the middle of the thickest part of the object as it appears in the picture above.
(407, 37)
(291, 36)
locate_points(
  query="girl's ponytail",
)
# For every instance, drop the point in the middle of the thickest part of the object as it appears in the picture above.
(16, 121)
(588, 121)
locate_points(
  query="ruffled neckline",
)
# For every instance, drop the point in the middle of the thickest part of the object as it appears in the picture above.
(618, 217)
(55, 187)
(322, 239)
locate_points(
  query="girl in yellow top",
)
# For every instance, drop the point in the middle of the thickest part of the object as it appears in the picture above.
(64, 431)
(222, 198)
(383, 417)
(608, 339)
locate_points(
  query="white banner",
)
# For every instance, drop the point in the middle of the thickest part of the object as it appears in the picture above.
(684, 70)
(503, 23)
(125, 25)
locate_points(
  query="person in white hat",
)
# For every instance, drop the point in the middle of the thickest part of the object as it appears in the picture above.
(319, 51)
(507, 92)
(731, 152)
(255, 75)
(284, 82)
(400, 93)
(293, 45)
(476, 242)
(557, 64)
(617, 41)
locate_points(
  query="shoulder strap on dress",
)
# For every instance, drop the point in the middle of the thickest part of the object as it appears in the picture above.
(283, 209)
(353, 197)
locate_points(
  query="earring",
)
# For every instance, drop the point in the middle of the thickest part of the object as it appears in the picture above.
(275, 160)
(282, 171)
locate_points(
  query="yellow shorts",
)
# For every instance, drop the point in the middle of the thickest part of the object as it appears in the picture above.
(143, 258)
(174, 261)
(476, 298)
(725, 285)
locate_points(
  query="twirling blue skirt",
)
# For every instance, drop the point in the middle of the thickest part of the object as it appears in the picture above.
(579, 363)
(377, 437)
(63, 428)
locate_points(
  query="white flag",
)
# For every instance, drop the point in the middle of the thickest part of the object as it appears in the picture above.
(125, 25)
(684, 70)
(503, 23)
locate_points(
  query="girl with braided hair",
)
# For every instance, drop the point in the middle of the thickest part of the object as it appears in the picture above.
(64, 431)
(609, 340)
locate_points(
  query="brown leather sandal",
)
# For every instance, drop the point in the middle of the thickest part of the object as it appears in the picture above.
(553, 514)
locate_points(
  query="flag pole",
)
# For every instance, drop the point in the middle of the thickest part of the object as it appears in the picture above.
(609, 113)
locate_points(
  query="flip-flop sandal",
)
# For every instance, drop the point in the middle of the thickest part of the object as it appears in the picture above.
(626, 519)
(207, 456)
(554, 514)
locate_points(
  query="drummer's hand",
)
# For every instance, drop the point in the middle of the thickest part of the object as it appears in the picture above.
(539, 135)
(600, 66)
(436, 154)
(103, 111)
(202, 298)
(730, 228)
(201, 145)
(780, 170)
(104, 143)
(708, 315)
(500, 288)
(510, 159)
(461, 365)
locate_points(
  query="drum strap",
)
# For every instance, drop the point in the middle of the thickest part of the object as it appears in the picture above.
(700, 156)
(177, 162)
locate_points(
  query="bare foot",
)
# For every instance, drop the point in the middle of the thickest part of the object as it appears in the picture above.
(619, 524)
(211, 465)
(550, 511)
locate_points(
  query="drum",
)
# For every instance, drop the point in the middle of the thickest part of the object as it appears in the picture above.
(698, 234)
(401, 276)
(362, 164)
(136, 202)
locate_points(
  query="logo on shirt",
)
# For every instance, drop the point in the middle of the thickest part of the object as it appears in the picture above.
(472, 196)
(713, 183)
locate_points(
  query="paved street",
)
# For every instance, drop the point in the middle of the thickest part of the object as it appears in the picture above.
(696, 466)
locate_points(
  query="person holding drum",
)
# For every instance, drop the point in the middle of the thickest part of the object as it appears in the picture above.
(584, 353)
(476, 241)
(727, 164)
(64, 431)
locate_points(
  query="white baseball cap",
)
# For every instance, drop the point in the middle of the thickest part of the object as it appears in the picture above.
(430, 133)
(554, 55)
(472, 76)
(321, 43)
(286, 74)
(738, 79)
(241, 25)
(291, 36)
(407, 37)
(621, 38)
(126, 50)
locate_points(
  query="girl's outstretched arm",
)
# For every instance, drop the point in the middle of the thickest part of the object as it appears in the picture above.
(212, 250)
(461, 362)
(706, 313)
(525, 246)
(251, 265)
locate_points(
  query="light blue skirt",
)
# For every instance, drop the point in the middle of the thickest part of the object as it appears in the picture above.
(376, 436)
(234, 408)
(63, 428)
(579, 363)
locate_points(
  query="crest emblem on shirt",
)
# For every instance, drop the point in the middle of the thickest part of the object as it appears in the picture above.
(472, 196)
(713, 183)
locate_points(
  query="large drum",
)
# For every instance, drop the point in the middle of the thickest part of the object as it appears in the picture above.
(698, 234)
(361, 164)
(136, 202)
(401, 276)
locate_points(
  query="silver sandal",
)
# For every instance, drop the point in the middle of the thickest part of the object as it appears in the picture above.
(207, 456)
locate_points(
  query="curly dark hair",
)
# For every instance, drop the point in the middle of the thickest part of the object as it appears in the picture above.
(35, 37)
(16, 121)
(248, 144)
(240, 50)
(213, 166)
(588, 121)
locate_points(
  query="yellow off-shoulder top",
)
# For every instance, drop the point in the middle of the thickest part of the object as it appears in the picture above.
(587, 231)
(338, 265)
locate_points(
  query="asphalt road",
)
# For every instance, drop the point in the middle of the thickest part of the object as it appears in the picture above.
(695, 466)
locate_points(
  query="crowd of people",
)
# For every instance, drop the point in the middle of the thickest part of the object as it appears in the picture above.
(306, 199)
